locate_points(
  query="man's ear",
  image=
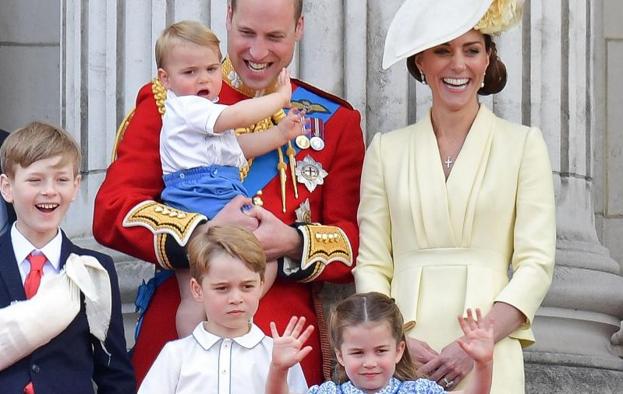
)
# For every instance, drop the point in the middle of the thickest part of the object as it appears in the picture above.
(196, 290)
(6, 188)
(230, 15)
(298, 30)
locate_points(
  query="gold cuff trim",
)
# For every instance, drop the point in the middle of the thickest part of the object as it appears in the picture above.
(160, 241)
(323, 245)
(161, 219)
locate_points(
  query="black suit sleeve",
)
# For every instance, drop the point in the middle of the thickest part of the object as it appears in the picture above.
(113, 372)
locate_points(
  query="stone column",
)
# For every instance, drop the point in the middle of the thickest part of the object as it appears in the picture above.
(585, 303)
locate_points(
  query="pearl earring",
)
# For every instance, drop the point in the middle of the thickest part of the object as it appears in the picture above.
(482, 83)
(423, 78)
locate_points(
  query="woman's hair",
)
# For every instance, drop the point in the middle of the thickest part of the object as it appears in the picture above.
(495, 75)
(363, 308)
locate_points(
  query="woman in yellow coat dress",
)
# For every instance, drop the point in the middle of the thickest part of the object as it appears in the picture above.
(458, 210)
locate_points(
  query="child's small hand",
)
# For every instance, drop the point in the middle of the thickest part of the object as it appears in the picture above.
(288, 348)
(284, 88)
(292, 125)
(478, 341)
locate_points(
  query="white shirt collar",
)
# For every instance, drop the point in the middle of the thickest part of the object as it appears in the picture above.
(249, 340)
(22, 247)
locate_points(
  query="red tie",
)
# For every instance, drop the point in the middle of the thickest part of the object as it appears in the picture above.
(33, 279)
(31, 285)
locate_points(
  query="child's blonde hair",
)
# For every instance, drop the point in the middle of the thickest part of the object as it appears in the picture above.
(369, 307)
(38, 141)
(189, 31)
(233, 241)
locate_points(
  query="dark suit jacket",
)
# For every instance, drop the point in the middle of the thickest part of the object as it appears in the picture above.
(10, 211)
(74, 359)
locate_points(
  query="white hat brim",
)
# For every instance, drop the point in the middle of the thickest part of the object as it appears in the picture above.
(422, 24)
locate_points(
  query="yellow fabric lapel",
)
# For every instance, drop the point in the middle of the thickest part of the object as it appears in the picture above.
(465, 180)
(429, 204)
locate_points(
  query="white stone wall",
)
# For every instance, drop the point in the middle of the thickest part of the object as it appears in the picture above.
(29, 60)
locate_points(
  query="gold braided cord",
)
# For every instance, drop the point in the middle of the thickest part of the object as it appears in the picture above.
(160, 94)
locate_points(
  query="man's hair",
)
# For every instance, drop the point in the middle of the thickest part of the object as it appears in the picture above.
(230, 240)
(38, 141)
(298, 8)
(189, 31)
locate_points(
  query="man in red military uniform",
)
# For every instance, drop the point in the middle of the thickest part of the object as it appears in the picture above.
(308, 191)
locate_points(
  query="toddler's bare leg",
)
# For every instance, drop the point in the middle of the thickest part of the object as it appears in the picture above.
(189, 312)
(269, 276)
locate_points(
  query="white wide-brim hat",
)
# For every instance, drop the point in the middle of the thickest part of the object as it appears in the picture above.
(422, 24)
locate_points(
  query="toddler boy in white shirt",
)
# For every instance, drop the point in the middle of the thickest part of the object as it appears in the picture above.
(227, 353)
(201, 156)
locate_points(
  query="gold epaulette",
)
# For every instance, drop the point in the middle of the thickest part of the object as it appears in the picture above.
(162, 220)
(323, 245)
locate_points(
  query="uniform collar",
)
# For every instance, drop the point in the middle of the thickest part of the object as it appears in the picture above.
(207, 339)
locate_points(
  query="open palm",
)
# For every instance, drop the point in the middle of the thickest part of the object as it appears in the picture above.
(478, 341)
(288, 348)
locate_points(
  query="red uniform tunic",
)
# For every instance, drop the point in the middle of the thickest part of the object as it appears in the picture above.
(129, 218)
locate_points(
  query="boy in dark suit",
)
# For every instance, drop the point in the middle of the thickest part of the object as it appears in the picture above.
(60, 323)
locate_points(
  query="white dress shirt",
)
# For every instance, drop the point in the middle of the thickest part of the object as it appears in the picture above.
(206, 363)
(188, 140)
(23, 247)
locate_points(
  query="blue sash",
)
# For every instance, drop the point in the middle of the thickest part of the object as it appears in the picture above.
(264, 168)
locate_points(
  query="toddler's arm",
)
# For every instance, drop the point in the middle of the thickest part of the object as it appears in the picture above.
(257, 144)
(286, 353)
(248, 112)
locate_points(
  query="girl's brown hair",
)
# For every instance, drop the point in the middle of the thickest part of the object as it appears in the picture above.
(363, 308)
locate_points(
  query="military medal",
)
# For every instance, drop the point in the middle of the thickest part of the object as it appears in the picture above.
(316, 132)
(302, 141)
(310, 173)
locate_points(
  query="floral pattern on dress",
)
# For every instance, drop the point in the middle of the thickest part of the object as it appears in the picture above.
(395, 386)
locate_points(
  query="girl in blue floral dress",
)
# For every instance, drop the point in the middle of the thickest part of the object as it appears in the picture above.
(367, 336)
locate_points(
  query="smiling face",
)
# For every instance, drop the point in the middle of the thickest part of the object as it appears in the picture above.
(230, 293)
(369, 354)
(261, 35)
(455, 70)
(41, 194)
(192, 70)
